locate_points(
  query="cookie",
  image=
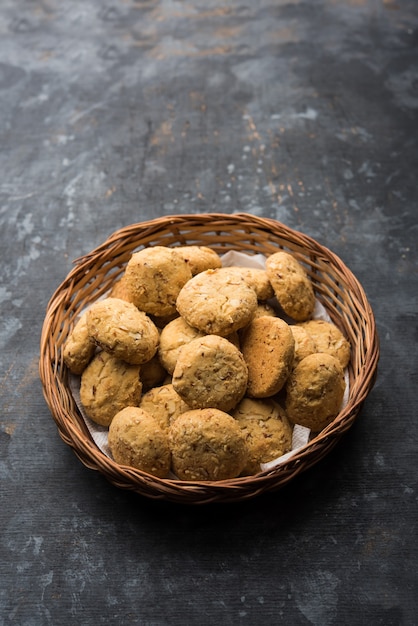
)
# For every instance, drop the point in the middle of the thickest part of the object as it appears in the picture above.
(292, 286)
(153, 279)
(268, 348)
(315, 391)
(152, 373)
(174, 336)
(79, 348)
(210, 372)
(164, 404)
(136, 440)
(119, 328)
(267, 431)
(217, 302)
(257, 279)
(107, 386)
(207, 444)
(304, 343)
(328, 338)
(119, 290)
(264, 308)
(199, 258)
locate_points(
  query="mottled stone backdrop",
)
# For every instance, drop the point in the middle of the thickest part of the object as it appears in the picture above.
(117, 111)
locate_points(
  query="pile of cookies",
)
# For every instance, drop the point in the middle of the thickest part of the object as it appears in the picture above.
(201, 370)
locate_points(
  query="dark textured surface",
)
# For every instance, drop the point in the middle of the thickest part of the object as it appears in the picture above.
(114, 112)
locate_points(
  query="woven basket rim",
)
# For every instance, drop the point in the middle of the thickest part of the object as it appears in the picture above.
(181, 228)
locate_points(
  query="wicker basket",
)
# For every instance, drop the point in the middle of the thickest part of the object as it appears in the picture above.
(335, 286)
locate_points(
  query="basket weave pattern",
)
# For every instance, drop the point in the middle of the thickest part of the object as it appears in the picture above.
(95, 273)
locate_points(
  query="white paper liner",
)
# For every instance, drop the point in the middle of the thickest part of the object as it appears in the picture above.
(300, 435)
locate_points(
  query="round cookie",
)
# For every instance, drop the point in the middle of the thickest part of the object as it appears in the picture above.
(135, 439)
(328, 338)
(268, 348)
(264, 308)
(210, 372)
(164, 404)
(199, 258)
(217, 302)
(107, 386)
(153, 279)
(162, 321)
(266, 429)
(79, 348)
(292, 286)
(315, 391)
(304, 343)
(119, 328)
(257, 279)
(207, 444)
(177, 334)
(119, 290)
(152, 373)
(174, 336)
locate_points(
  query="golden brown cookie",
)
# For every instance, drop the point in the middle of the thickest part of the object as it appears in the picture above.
(152, 373)
(268, 348)
(210, 372)
(266, 429)
(154, 277)
(79, 348)
(119, 290)
(328, 338)
(199, 258)
(217, 302)
(119, 328)
(107, 386)
(174, 336)
(291, 284)
(257, 279)
(264, 308)
(164, 404)
(207, 444)
(315, 391)
(304, 343)
(135, 439)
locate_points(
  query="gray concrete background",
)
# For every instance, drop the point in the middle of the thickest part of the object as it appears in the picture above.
(117, 112)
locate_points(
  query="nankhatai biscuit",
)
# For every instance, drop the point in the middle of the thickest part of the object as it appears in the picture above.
(119, 290)
(315, 391)
(328, 338)
(268, 347)
(257, 279)
(154, 277)
(207, 444)
(107, 386)
(164, 404)
(217, 302)
(119, 328)
(199, 258)
(79, 348)
(210, 372)
(152, 373)
(135, 439)
(267, 431)
(292, 286)
(304, 343)
(177, 334)
(174, 336)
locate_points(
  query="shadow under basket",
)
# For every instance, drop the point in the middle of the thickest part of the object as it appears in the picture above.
(95, 273)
